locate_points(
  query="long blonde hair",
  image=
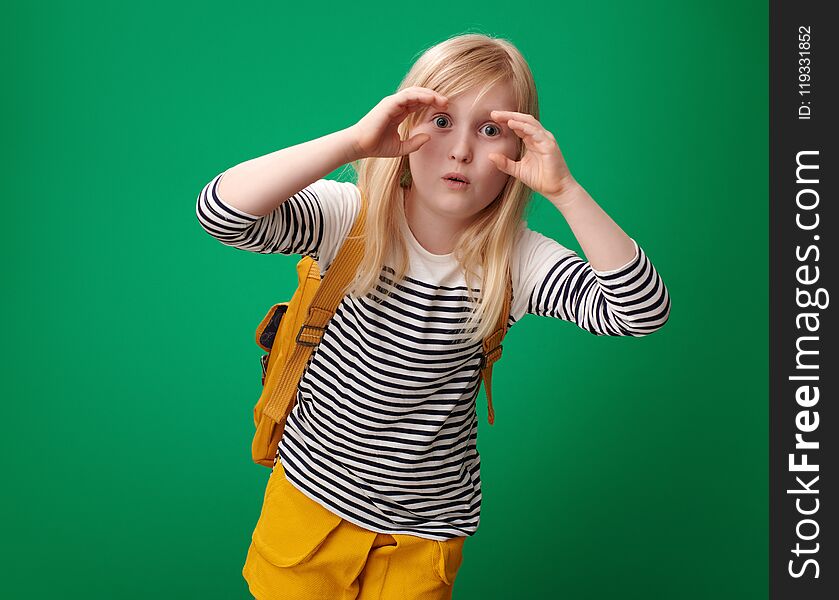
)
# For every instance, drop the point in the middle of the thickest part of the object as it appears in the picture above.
(458, 64)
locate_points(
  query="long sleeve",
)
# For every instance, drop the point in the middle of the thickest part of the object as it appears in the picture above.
(631, 300)
(313, 222)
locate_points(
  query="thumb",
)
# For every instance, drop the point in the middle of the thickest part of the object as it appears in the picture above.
(501, 162)
(414, 143)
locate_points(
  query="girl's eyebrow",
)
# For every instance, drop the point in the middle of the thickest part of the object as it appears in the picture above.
(484, 114)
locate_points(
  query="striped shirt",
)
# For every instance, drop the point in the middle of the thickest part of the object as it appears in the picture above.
(384, 429)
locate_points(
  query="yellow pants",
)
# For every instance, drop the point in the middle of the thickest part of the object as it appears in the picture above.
(300, 550)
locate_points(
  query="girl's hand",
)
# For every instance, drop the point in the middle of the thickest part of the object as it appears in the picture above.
(376, 133)
(542, 168)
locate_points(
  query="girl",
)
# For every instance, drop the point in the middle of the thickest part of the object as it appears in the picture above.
(376, 483)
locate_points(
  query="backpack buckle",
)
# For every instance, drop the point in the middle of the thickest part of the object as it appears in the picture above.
(494, 354)
(315, 335)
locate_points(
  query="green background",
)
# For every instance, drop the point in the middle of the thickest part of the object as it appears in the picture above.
(617, 467)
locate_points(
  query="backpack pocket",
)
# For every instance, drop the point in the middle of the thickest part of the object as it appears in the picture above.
(291, 526)
(267, 332)
(447, 558)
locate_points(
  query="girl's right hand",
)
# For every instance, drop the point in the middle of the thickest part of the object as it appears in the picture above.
(376, 133)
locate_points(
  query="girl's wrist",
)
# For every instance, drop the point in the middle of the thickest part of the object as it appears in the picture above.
(570, 192)
(353, 150)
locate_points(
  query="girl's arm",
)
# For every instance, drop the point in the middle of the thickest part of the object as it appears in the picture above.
(313, 222)
(630, 300)
(543, 169)
(604, 243)
(280, 203)
(259, 185)
(618, 292)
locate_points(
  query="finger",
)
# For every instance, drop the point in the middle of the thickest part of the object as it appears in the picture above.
(413, 103)
(419, 101)
(510, 114)
(441, 99)
(419, 108)
(533, 136)
(413, 143)
(425, 90)
(426, 97)
(503, 163)
(522, 128)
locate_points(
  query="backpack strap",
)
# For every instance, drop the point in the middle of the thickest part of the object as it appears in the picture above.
(322, 308)
(492, 348)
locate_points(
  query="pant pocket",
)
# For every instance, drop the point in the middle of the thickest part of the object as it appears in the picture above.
(291, 527)
(448, 556)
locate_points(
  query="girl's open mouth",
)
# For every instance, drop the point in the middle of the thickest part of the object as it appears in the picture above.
(455, 185)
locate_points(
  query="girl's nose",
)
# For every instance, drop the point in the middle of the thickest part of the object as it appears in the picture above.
(461, 147)
(461, 152)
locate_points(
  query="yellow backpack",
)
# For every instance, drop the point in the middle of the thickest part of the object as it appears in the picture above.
(290, 331)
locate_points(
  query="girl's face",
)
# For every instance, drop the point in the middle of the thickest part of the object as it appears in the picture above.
(461, 137)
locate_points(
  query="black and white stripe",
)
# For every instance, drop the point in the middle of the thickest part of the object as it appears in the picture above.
(630, 301)
(385, 416)
(274, 233)
(384, 429)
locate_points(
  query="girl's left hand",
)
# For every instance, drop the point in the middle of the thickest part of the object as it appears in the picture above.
(542, 168)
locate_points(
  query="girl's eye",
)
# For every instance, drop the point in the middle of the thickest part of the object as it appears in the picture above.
(498, 131)
(445, 119)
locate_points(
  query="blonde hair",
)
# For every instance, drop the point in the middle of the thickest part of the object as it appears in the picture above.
(462, 63)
